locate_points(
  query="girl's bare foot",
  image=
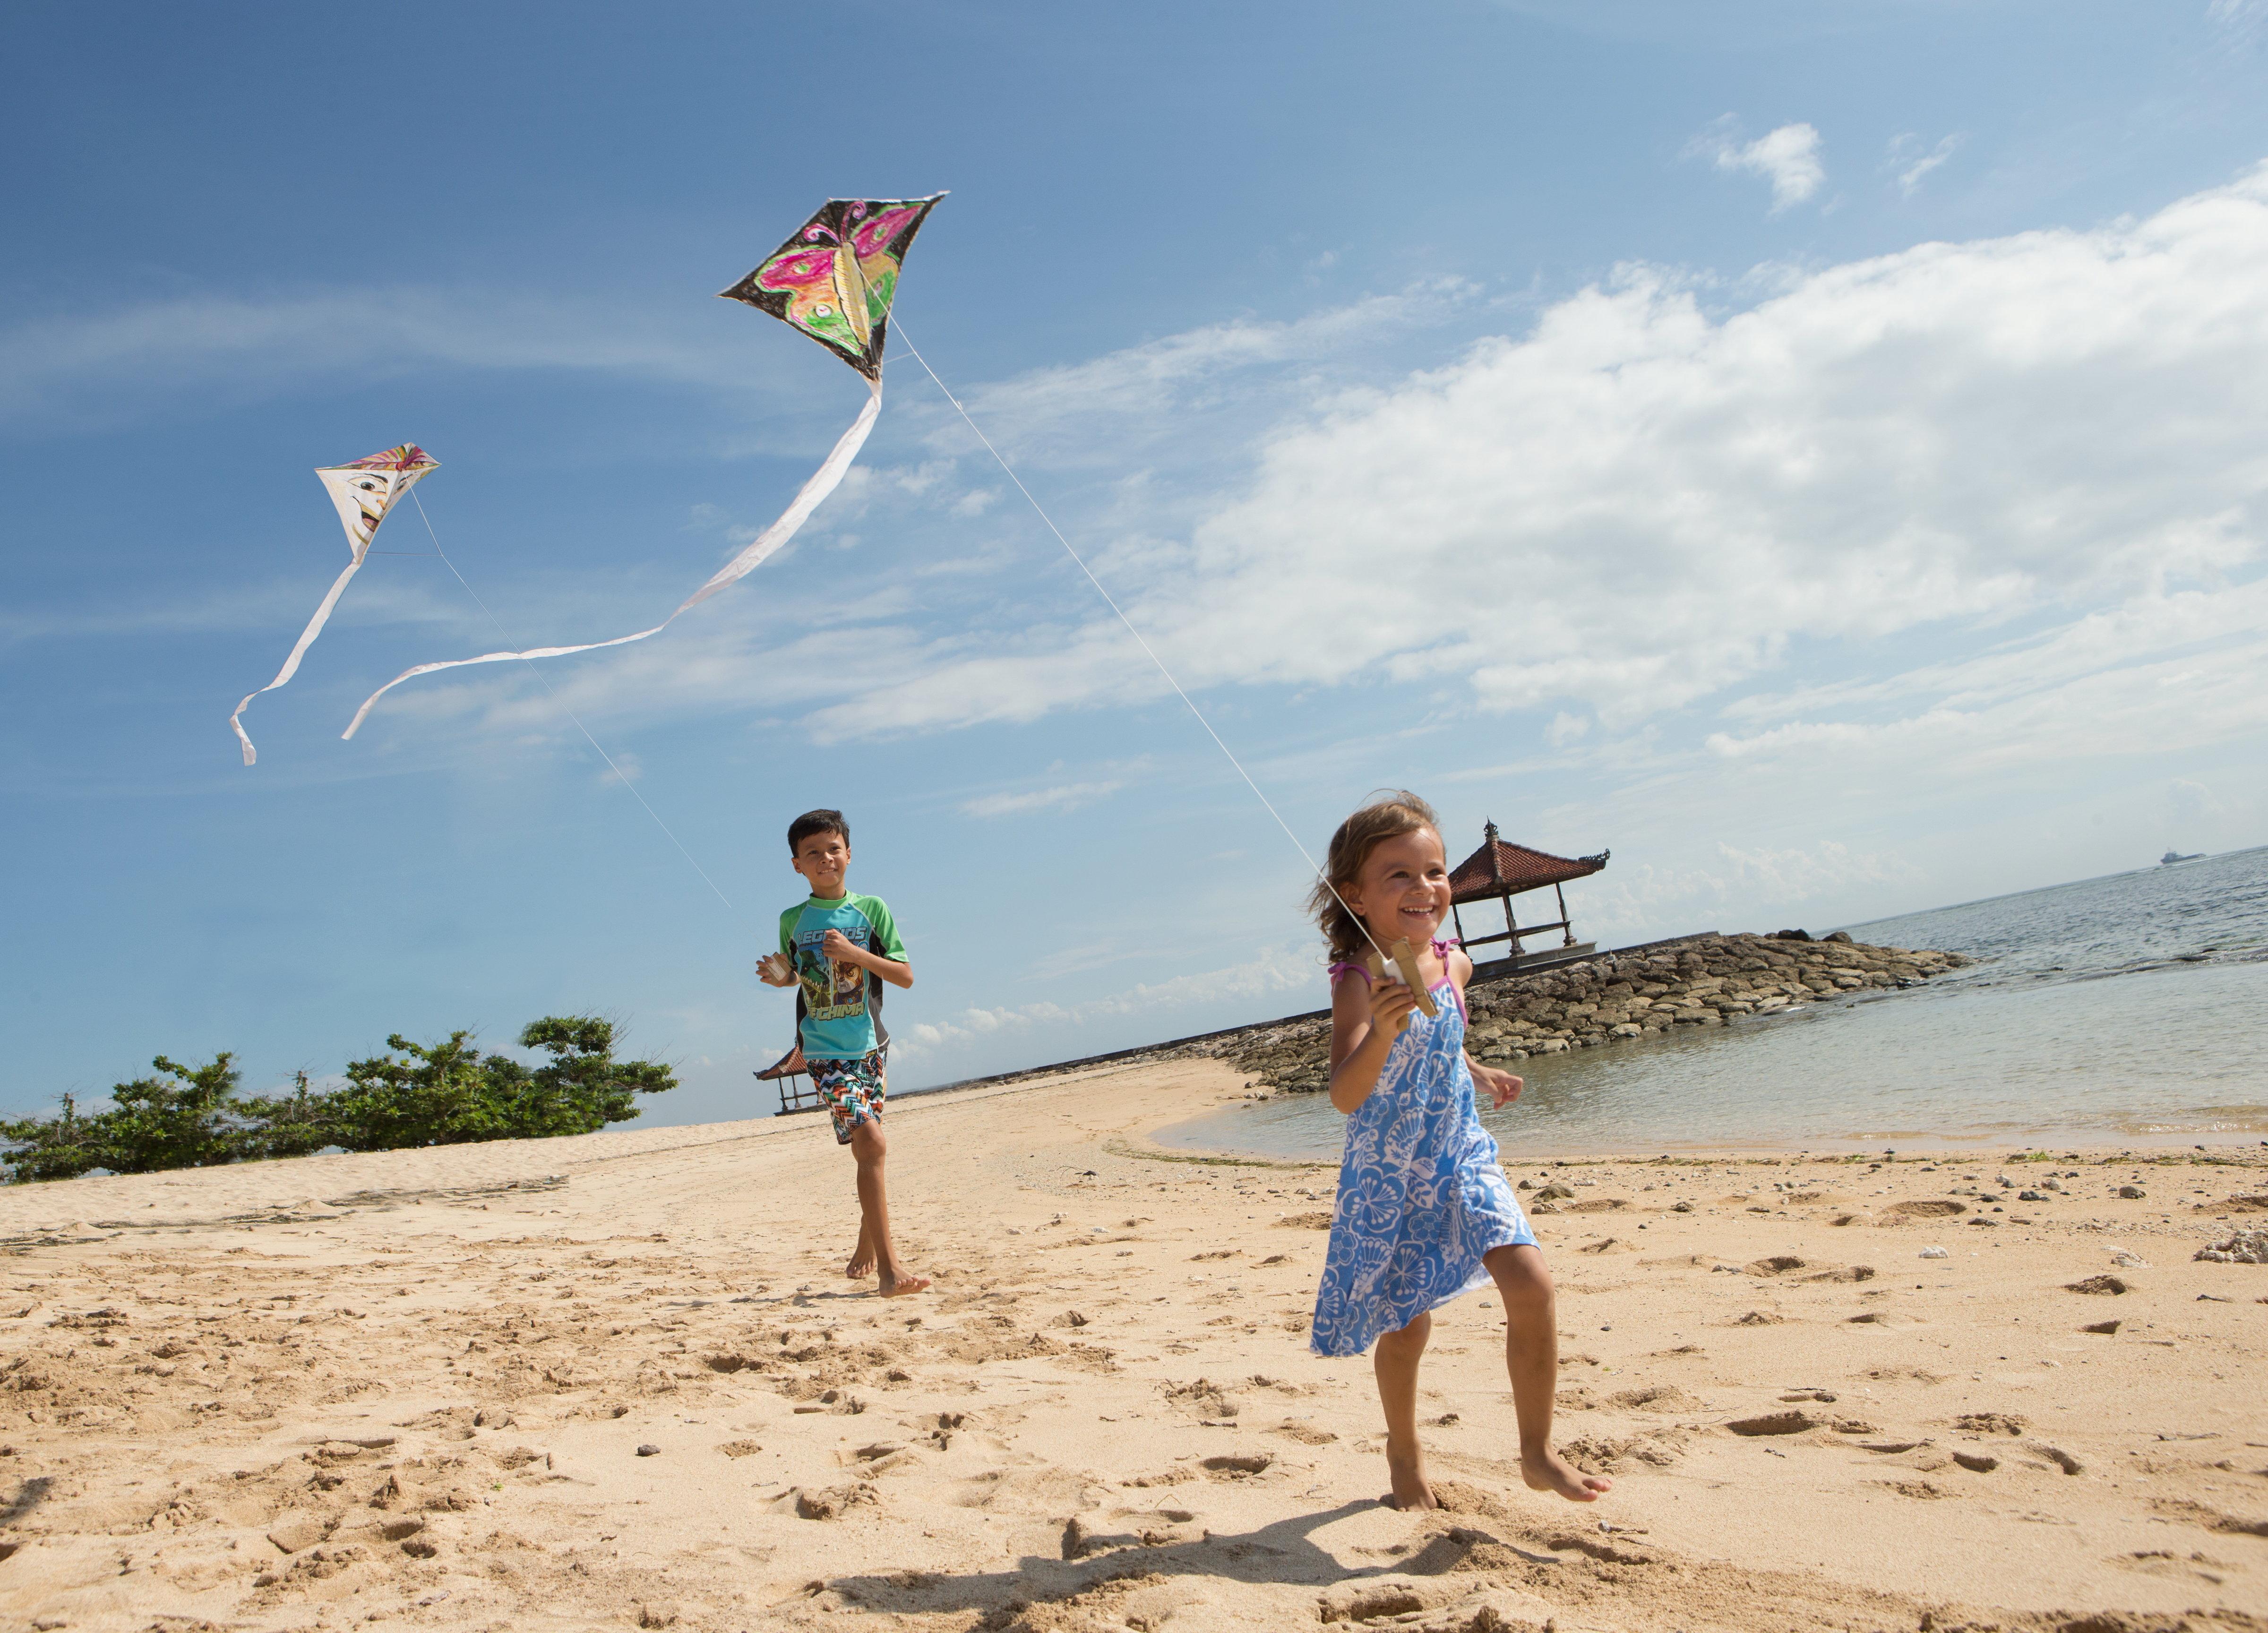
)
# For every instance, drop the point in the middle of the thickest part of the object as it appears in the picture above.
(1407, 1468)
(1548, 1471)
(898, 1286)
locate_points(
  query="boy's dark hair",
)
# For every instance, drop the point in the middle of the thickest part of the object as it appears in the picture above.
(815, 823)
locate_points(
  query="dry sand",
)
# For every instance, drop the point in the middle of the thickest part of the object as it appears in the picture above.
(415, 1388)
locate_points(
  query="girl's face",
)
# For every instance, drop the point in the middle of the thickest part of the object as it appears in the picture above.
(1402, 892)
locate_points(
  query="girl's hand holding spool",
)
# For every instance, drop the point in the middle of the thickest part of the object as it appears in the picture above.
(1391, 1005)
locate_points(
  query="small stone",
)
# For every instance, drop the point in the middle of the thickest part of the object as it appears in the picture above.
(2131, 1193)
(297, 1535)
(2240, 1247)
(649, 1450)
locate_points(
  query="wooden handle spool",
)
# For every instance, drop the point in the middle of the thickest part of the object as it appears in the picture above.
(1405, 964)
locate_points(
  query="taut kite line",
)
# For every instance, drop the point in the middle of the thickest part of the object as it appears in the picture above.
(834, 281)
(364, 490)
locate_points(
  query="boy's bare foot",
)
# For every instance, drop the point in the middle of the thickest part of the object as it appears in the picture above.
(861, 1265)
(1548, 1471)
(1407, 1471)
(898, 1286)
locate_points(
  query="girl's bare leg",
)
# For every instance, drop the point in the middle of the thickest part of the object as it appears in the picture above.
(1395, 1360)
(1531, 1356)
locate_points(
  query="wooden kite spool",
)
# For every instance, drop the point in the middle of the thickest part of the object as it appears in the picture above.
(1405, 964)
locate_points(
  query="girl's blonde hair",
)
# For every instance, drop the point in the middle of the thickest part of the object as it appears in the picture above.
(1397, 812)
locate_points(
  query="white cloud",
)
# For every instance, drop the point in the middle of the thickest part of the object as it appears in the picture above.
(1565, 728)
(2014, 492)
(1745, 886)
(1641, 505)
(1911, 164)
(2192, 802)
(1787, 157)
(1274, 970)
(1064, 798)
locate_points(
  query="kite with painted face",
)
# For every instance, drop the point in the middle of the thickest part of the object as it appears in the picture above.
(834, 281)
(364, 490)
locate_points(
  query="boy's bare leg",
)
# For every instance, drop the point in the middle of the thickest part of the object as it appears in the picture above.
(1531, 1356)
(1394, 1361)
(868, 1147)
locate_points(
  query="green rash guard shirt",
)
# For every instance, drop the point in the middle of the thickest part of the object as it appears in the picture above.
(838, 1004)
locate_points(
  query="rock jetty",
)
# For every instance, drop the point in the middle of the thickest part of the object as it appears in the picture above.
(1703, 981)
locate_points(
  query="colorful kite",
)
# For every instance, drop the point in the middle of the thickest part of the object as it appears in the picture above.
(364, 490)
(835, 281)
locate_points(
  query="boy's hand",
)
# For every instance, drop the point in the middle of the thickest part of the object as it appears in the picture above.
(843, 949)
(1502, 1087)
(774, 970)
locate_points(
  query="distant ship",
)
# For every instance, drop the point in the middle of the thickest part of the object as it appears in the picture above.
(2172, 856)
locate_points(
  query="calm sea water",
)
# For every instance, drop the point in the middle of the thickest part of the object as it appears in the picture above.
(2126, 1010)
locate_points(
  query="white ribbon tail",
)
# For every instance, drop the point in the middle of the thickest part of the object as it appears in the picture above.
(808, 498)
(299, 650)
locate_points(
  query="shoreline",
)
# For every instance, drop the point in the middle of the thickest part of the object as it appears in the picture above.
(1704, 979)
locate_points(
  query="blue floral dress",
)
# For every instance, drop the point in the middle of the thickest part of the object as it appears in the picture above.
(1422, 1195)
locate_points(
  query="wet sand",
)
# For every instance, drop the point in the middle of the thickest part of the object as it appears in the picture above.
(415, 1388)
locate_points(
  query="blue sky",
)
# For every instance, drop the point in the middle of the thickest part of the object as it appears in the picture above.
(1812, 449)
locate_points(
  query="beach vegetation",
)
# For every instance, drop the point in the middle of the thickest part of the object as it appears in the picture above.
(414, 1094)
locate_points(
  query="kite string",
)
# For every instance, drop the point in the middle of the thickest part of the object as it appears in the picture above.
(564, 708)
(898, 328)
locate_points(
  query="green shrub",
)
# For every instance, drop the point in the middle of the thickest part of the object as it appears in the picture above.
(442, 1093)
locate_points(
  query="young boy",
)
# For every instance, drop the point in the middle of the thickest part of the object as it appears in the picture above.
(838, 949)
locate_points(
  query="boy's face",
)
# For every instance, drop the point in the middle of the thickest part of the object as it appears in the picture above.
(823, 859)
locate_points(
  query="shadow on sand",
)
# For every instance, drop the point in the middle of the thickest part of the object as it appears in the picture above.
(1282, 1553)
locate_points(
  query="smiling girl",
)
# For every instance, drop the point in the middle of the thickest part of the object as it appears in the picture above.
(1425, 1212)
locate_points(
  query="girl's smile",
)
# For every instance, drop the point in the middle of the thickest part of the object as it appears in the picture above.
(1402, 891)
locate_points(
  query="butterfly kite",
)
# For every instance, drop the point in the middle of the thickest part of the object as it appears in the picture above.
(364, 490)
(835, 281)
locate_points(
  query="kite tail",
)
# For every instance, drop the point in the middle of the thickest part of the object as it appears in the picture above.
(808, 498)
(299, 650)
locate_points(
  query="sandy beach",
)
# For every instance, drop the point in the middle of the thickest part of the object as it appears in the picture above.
(621, 1382)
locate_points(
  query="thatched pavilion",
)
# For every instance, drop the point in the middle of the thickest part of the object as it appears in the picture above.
(786, 1071)
(1499, 871)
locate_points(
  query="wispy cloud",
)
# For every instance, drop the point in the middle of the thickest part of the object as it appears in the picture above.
(2238, 22)
(1911, 164)
(76, 368)
(1787, 157)
(1062, 798)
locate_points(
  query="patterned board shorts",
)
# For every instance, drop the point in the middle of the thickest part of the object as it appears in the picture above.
(852, 1089)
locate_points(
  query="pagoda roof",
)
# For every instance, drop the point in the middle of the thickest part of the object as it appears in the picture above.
(788, 1065)
(1500, 868)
